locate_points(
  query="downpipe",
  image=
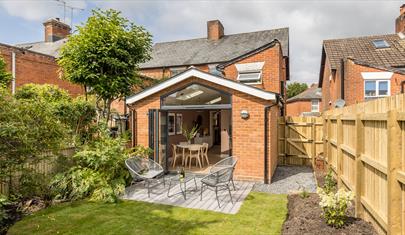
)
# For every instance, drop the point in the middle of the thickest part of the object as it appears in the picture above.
(266, 138)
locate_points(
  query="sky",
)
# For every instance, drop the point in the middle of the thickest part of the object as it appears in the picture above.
(309, 22)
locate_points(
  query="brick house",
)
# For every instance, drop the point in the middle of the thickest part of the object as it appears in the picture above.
(36, 62)
(231, 86)
(362, 68)
(307, 103)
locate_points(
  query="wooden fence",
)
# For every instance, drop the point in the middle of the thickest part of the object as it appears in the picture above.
(45, 166)
(300, 140)
(364, 144)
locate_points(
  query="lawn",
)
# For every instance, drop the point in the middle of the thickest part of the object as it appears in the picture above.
(260, 214)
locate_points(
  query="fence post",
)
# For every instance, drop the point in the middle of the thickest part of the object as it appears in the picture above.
(286, 134)
(359, 166)
(313, 136)
(393, 165)
(339, 154)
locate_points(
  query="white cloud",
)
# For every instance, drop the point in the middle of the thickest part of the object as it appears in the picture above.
(41, 10)
(310, 22)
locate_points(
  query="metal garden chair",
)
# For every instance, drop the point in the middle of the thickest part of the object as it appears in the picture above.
(144, 169)
(226, 162)
(217, 180)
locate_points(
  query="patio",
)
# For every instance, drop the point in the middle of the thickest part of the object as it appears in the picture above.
(138, 192)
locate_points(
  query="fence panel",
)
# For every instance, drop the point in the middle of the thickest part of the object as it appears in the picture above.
(364, 145)
(300, 140)
(45, 166)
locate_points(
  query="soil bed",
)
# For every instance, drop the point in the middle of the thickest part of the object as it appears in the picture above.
(304, 217)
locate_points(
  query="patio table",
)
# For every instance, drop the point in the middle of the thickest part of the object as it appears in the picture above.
(186, 146)
(182, 184)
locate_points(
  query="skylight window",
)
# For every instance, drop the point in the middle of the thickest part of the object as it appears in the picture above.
(190, 95)
(380, 43)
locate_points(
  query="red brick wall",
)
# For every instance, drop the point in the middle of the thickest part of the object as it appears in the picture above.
(247, 135)
(36, 68)
(353, 83)
(273, 71)
(296, 108)
(159, 73)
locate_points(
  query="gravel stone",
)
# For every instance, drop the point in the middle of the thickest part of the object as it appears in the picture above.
(289, 180)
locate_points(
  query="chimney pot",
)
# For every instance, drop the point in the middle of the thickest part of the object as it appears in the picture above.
(215, 30)
(55, 30)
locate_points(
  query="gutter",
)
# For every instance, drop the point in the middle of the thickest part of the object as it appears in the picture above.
(266, 138)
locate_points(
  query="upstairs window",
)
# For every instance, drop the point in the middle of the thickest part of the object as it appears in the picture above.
(250, 77)
(381, 43)
(250, 73)
(376, 88)
(315, 106)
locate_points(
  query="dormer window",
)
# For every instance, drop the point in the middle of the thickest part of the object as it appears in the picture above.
(381, 43)
(250, 73)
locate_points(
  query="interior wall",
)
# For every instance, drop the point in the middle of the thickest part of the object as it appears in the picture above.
(189, 118)
(225, 124)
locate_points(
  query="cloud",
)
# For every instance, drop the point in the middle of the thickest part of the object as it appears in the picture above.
(39, 10)
(310, 22)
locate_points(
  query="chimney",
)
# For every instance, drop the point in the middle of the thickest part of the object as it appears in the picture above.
(215, 30)
(400, 21)
(55, 30)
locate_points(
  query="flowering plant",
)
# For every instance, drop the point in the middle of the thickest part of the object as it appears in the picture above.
(334, 206)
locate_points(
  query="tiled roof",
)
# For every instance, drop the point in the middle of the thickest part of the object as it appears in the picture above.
(194, 51)
(47, 48)
(204, 51)
(309, 94)
(363, 49)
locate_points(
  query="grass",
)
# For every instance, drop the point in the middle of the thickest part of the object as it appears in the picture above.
(260, 214)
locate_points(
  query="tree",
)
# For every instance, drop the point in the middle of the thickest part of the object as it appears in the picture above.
(295, 88)
(104, 56)
(5, 77)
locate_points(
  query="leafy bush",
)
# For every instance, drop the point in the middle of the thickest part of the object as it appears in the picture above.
(141, 151)
(5, 77)
(334, 206)
(77, 114)
(330, 182)
(46, 93)
(99, 172)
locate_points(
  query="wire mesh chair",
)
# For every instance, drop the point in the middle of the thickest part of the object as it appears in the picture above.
(144, 169)
(226, 162)
(217, 180)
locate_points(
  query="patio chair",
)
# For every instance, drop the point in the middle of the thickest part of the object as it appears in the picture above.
(194, 153)
(226, 162)
(217, 180)
(204, 153)
(144, 169)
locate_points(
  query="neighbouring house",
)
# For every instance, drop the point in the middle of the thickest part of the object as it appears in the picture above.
(231, 86)
(307, 103)
(362, 68)
(36, 62)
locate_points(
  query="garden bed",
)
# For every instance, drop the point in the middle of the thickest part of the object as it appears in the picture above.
(304, 217)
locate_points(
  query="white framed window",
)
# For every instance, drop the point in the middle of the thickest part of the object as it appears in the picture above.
(376, 88)
(251, 77)
(315, 106)
(250, 73)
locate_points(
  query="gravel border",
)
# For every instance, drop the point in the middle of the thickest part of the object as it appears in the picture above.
(288, 180)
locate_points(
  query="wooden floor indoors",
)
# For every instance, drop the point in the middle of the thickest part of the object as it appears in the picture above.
(158, 195)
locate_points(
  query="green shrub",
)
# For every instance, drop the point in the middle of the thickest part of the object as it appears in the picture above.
(99, 172)
(141, 151)
(47, 93)
(330, 182)
(334, 206)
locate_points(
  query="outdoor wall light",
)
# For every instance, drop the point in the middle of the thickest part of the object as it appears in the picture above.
(244, 114)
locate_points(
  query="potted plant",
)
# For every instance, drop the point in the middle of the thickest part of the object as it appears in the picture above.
(190, 134)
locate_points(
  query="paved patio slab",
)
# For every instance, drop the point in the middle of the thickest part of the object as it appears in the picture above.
(158, 195)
